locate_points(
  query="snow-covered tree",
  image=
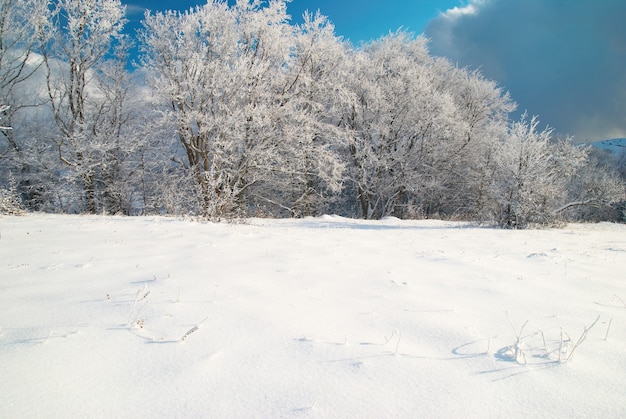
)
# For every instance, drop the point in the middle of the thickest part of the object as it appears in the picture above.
(20, 21)
(312, 95)
(10, 203)
(191, 59)
(533, 171)
(596, 191)
(224, 78)
(239, 112)
(402, 122)
(482, 111)
(87, 113)
(133, 151)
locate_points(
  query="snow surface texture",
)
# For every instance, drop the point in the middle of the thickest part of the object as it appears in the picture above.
(326, 317)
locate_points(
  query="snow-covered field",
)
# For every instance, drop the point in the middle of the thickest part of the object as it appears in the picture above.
(104, 317)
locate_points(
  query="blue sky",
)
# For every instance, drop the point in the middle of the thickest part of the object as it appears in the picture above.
(563, 60)
(356, 20)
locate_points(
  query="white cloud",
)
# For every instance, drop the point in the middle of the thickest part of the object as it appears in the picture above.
(457, 12)
(470, 9)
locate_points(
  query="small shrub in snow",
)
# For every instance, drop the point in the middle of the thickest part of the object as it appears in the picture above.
(558, 347)
(581, 339)
(515, 351)
(10, 203)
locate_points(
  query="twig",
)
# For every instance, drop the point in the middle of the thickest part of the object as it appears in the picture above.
(606, 336)
(519, 352)
(398, 344)
(618, 297)
(387, 339)
(518, 335)
(193, 329)
(543, 339)
(138, 298)
(582, 338)
(190, 331)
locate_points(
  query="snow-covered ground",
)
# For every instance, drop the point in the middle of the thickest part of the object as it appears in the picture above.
(104, 317)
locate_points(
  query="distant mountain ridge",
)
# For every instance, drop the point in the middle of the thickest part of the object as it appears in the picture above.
(615, 145)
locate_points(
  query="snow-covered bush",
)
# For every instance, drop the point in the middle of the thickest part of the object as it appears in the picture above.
(596, 192)
(10, 202)
(532, 173)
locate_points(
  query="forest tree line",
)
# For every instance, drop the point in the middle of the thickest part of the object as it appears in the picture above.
(234, 111)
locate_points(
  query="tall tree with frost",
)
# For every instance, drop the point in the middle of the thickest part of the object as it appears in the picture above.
(85, 35)
(313, 91)
(401, 122)
(223, 77)
(482, 110)
(532, 175)
(120, 121)
(20, 21)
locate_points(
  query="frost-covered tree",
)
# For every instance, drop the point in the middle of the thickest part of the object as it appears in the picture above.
(596, 191)
(240, 112)
(402, 122)
(532, 174)
(87, 113)
(133, 151)
(196, 67)
(224, 79)
(20, 21)
(312, 96)
(482, 112)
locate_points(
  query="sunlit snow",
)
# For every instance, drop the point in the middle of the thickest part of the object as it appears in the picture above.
(106, 317)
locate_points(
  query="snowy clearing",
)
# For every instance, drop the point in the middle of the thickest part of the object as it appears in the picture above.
(326, 317)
